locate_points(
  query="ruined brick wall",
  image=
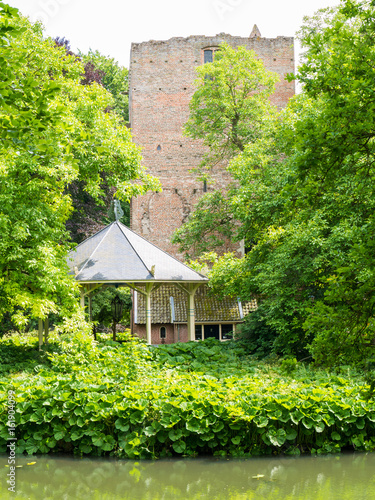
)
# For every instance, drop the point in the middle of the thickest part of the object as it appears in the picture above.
(161, 87)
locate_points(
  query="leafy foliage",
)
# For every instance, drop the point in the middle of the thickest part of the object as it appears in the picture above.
(305, 200)
(197, 235)
(134, 401)
(259, 336)
(53, 131)
(114, 78)
(91, 213)
(101, 305)
(229, 109)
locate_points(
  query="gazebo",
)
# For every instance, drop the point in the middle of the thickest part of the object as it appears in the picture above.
(118, 256)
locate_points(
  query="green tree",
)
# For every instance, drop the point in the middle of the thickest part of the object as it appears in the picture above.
(305, 199)
(229, 109)
(336, 168)
(89, 213)
(102, 307)
(230, 106)
(210, 226)
(114, 78)
(53, 131)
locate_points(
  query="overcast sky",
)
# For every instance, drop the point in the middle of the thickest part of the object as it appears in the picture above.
(111, 25)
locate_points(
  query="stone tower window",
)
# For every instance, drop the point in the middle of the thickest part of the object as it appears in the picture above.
(158, 148)
(209, 54)
(163, 332)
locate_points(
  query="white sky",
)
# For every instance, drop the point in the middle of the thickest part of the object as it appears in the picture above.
(111, 25)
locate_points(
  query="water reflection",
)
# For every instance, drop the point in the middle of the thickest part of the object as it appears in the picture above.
(342, 477)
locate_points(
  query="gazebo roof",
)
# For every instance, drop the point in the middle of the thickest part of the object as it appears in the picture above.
(118, 255)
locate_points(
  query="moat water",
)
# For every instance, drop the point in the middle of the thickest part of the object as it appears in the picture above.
(337, 477)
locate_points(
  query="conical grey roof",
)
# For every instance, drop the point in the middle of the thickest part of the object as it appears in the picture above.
(117, 254)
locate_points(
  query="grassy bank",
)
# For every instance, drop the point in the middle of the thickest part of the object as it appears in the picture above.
(135, 401)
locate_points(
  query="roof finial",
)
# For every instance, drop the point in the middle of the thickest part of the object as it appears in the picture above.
(255, 32)
(117, 209)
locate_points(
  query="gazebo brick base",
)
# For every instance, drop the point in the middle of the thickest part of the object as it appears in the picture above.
(173, 333)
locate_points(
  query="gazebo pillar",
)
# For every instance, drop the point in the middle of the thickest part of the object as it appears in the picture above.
(190, 289)
(149, 287)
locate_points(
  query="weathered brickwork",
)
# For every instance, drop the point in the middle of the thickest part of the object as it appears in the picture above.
(161, 86)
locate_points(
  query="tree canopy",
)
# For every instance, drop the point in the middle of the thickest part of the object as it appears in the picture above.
(114, 78)
(54, 131)
(229, 108)
(305, 199)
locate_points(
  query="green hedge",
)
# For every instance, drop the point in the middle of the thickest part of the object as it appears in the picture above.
(134, 401)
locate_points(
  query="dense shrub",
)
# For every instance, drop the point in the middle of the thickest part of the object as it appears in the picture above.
(259, 336)
(135, 401)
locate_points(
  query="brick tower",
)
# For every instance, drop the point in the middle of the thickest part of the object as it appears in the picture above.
(160, 89)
